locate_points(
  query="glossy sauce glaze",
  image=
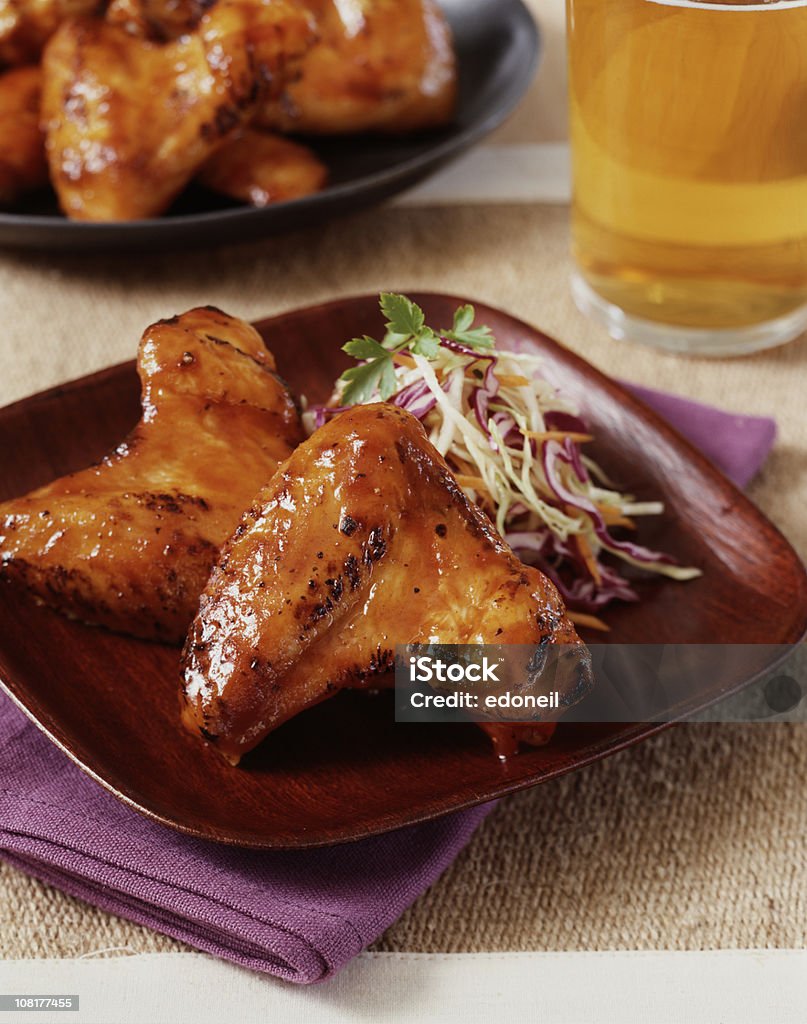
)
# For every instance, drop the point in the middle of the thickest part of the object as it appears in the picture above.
(262, 168)
(129, 543)
(26, 25)
(362, 541)
(129, 120)
(22, 146)
(384, 65)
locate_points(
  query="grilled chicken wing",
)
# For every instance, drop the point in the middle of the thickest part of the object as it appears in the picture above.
(26, 25)
(383, 65)
(22, 147)
(159, 20)
(129, 543)
(260, 168)
(129, 121)
(363, 540)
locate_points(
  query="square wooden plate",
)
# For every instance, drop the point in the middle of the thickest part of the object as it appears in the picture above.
(345, 770)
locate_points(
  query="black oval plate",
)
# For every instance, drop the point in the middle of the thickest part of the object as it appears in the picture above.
(497, 44)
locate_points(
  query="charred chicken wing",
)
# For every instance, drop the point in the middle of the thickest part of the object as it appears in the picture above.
(384, 65)
(363, 540)
(22, 147)
(129, 121)
(129, 543)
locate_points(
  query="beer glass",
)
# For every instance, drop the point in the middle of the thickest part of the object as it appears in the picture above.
(689, 153)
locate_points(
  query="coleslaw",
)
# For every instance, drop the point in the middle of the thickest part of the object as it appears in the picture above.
(515, 444)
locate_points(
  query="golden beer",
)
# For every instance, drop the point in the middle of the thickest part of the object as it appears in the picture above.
(689, 142)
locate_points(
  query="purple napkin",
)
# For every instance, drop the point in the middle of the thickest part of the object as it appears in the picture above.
(736, 444)
(298, 915)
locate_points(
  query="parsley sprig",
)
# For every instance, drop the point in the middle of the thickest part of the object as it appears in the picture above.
(406, 331)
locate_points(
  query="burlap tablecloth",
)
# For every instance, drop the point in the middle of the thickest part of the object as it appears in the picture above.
(694, 840)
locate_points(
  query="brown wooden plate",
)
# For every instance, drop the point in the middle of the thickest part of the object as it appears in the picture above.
(345, 770)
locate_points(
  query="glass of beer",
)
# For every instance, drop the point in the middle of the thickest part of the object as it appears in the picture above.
(689, 151)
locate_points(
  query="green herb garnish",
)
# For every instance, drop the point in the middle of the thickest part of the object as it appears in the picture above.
(406, 331)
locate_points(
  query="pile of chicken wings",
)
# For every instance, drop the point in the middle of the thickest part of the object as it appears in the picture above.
(120, 104)
(291, 567)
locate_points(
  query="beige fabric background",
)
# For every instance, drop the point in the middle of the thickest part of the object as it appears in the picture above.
(695, 839)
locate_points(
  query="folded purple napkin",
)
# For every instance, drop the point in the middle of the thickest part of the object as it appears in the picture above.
(736, 444)
(298, 915)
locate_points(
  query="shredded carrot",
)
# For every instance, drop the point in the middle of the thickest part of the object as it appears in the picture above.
(474, 483)
(513, 380)
(404, 359)
(581, 619)
(613, 517)
(589, 559)
(460, 465)
(558, 435)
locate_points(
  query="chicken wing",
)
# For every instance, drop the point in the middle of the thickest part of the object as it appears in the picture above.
(129, 121)
(260, 168)
(26, 25)
(22, 147)
(363, 540)
(129, 543)
(159, 20)
(383, 65)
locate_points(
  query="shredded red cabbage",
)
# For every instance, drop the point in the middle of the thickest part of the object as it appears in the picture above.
(554, 452)
(566, 422)
(562, 563)
(415, 398)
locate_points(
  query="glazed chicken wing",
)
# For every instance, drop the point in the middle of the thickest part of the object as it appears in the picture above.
(26, 25)
(160, 20)
(129, 543)
(362, 541)
(22, 147)
(383, 65)
(129, 121)
(261, 168)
